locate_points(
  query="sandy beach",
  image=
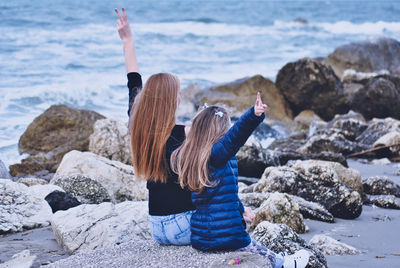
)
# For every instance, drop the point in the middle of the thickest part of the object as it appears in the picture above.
(375, 234)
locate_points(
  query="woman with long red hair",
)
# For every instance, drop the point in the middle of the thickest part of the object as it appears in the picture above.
(154, 136)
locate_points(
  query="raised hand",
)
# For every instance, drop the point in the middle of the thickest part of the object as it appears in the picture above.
(125, 33)
(124, 29)
(259, 107)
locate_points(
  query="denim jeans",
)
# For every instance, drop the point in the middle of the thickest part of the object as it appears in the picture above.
(276, 260)
(172, 229)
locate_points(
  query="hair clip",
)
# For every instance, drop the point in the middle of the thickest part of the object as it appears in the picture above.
(220, 114)
(205, 105)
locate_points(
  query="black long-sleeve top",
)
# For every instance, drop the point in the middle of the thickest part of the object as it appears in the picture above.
(164, 198)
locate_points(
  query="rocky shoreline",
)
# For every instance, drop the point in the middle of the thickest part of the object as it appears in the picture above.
(332, 110)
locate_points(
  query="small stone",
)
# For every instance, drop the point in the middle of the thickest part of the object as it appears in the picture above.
(382, 161)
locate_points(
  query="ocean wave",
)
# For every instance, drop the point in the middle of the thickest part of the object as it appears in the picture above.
(375, 28)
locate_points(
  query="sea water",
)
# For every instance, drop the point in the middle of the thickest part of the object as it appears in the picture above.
(69, 52)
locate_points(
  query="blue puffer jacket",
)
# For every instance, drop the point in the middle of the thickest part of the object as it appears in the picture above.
(218, 223)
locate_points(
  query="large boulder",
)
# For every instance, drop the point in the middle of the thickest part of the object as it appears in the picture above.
(350, 177)
(280, 208)
(381, 186)
(330, 246)
(117, 178)
(351, 124)
(110, 138)
(240, 95)
(20, 209)
(332, 141)
(378, 98)
(281, 238)
(92, 226)
(309, 210)
(366, 56)
(83, 187)
(378, 128)
(308, 84)
(52, 134)
(314, 183)
(383, 201)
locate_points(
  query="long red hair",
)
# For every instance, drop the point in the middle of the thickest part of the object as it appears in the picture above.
(151, 123)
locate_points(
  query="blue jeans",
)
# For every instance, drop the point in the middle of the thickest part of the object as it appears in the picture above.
(172, 229)
(276, 260)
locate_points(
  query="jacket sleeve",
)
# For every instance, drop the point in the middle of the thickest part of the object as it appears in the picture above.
(236, 137)
(134, 86)
(241, 207)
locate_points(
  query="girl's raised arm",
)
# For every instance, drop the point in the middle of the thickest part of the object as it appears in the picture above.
(237, 135)
(125, 34)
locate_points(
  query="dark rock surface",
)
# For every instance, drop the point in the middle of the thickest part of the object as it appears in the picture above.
(55, 132)
(381, 186)
(318, 184)
(383, 201)
(367, 56)
(310, 85)
(84, 188)
(378, 98)
(61, 201)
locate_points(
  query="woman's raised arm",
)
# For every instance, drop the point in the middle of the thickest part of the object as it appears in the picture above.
(125, 34)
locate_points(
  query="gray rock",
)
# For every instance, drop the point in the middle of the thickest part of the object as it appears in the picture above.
(3, 171)
(52, 134)
(309, 210)
(351, 125)
(383, 201)
(378, 128)
(318, 184)
(330, 246)
(89, 226)
(312, 210)
(30, 181)
(110, 139)
(117, 178)
(19, 260)
(330, 140)
(372, 55)
(281, 238)
(350, 177)
(280, 208)
(309, 85)
(20, 209)
(378, 98)
(381, 186)
(84, 188)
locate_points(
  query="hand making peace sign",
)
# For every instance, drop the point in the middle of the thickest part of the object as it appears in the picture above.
(124, 29)
(259, 107)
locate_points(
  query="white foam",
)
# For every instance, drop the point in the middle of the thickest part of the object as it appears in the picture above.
(367, 28)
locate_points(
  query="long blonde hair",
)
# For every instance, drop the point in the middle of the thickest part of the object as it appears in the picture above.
(190, 160)
(151, 123)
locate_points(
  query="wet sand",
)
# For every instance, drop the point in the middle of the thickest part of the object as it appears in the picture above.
(375, 233)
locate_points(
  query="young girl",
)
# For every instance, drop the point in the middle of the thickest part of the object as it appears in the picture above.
(207, 165)
(154, 135)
